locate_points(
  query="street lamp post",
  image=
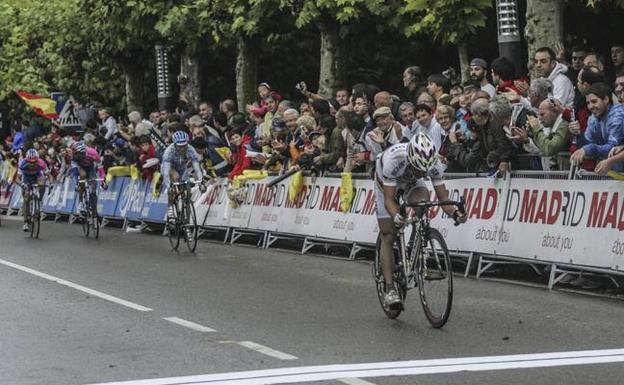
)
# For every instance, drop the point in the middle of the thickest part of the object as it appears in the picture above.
(509, 32)
(162, 75)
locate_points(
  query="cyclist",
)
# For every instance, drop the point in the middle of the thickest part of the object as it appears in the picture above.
(86, 163)
(174, 165)
(32, 170)
(405, 167)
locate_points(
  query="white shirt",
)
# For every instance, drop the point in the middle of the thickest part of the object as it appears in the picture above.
(111, 127)
(490, 89)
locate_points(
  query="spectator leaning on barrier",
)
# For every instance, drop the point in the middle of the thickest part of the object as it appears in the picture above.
(605, 128)
(239, 159)
(478, 73)
(147, 161)
(549, 134)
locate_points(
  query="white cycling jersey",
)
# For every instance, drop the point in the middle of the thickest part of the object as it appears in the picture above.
(393, 168)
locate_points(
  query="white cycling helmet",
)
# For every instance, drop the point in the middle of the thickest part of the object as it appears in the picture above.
(421, 152)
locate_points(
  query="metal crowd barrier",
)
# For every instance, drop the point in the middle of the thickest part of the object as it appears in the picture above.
(135, 204)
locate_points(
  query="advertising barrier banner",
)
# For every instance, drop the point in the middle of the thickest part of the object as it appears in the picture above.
(108, 199)
(51, 198)
(16, 198)
(576, 222)
(132, 199)
(315, 211)
(67, 196)
(155, 208)
(211, 207)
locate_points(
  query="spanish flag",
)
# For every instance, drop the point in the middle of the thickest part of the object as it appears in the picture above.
(42, 106)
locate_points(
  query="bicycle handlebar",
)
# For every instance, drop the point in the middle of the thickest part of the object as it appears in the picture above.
(461, 204)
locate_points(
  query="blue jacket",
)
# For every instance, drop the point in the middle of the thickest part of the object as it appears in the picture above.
(18, 141)
(605, 132)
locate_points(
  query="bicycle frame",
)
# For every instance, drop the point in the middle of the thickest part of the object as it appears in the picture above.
(422, 222)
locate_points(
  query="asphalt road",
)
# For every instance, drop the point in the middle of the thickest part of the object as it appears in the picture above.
(124, 307)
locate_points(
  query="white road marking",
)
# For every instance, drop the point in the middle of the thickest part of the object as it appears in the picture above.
(386, 369)
(84, 289)
(354, 381)
(263, 349)
(189, 324)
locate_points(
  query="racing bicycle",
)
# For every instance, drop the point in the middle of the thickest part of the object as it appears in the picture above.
(32, 212)
(88, 201)
(184, 222)
(421, 261)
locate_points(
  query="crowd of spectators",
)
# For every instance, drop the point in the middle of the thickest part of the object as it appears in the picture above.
(569, 110)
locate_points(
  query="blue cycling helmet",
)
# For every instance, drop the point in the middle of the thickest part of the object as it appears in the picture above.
(32, 155)
(79, 147)
(180, 138)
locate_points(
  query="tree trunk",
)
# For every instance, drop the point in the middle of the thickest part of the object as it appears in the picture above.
(134, 88)
(464, 62)
(246, 72)
(332, 73)
(189, 79)
(544, 26)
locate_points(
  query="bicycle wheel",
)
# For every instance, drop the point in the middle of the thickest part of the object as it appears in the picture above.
(35, 217)
(173, 228)
(190, 226)
(94, 218)
(435, 279)
(391, 313)
(84, 215)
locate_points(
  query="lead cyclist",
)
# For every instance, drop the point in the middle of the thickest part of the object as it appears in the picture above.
(405, 167)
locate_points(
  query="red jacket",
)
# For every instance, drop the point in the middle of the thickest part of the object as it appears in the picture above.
(147, 173)
(240, 160)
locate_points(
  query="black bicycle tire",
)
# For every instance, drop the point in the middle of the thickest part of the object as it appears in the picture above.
(84, 218)
(95, 220)
(35, 218)
(173, 230)
(435, 321)
(191, 244)
(380, 283)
